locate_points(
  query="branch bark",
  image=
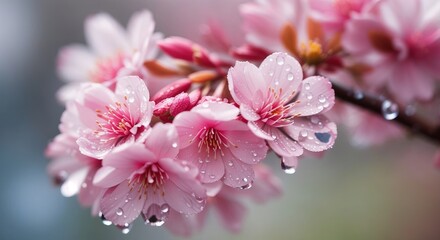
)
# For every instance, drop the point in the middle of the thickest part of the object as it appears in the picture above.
(377, 105)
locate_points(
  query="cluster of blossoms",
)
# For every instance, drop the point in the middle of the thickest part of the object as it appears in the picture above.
(165, 128)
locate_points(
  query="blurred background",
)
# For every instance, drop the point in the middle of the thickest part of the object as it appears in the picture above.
(386, 192)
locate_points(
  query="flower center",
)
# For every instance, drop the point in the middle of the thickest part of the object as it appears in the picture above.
(152, 178)
(213, 141)
(117, 122)
(277, 111)
(107, 68)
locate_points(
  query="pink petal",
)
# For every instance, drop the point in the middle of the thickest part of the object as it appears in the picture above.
(163, 141)
(315, 133)
(211, 168)
(248, 113)
(122, 204)
(188, 125)
(231, 213)
(316, 96)
(244, 145)
(257, 129)
(284, 72)
(89, 193)
(244, 81)
(237, 173)
(180, 224)
(134, 90)
(107, 177)
(134, 156)
(93, 146)
(74, 63)
(283, 145)
(105, 35)
(140, 29)
(73, 183)
(217, 111)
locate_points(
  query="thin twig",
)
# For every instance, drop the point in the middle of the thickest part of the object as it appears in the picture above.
(375, 104)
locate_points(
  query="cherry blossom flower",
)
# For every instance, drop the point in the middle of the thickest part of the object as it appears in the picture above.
(281, 107)
(221, 146)
(112, 52)
(401, 44)
(148, 179)
(68, 167)
(334, 14)
(111, 118)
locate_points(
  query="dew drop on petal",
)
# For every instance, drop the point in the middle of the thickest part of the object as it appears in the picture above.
(303, 133)
(131, 99)
(126, 228)
(390, 110)
(307, 86)
(323, 137)
(119, 211)
(288, 169)
(164, 208)
(104, 220)
(280, 60)
(322, 98)
(309, 96)
(290, 76)
(174, 145)
(358, 94)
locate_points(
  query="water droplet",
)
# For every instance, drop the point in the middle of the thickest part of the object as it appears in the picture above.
(274, 137)
(164, 208)
(323, 137)
(277, 83)
(131, 99)
(230, 164)
(307, 86)
(174, 145)
(212, 176)
(290, 76)
(303, 133)
(288, 169)
(119, 211)
(314, 119)
(358, 94)
(205, 104)
(154, 221)
(126, 228)
(309, 96)
(322, 98)
(202, 171)
(104, 220)
(288, 68)
(254, 154)
(280, 60)
(247, 186)
(390, 110)
(271, 74)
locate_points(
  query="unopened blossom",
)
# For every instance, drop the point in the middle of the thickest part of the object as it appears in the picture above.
(222, 147)
(148, 179)
(68, 167)
(111, 118)
(281, 107)
(401, 44)
(112, 51)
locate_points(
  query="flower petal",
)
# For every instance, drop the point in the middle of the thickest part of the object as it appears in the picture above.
(217, 111)
(283, 145)
(109, 176)
(188, 125)
(122, 204)
(316, 96)
(105, 36)
(315, 133)
(284, 72)
(74, 63)
(237, 173)
(163, 141)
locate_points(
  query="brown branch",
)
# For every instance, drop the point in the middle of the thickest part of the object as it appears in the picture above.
(386, 109)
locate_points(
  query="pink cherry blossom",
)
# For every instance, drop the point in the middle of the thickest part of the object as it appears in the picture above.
(73, 170)
(221, 146)
(281, 107)
(333, 14)
(264, 19)
(112, 51)
(148, 179)
(111, 118)
(401, 43)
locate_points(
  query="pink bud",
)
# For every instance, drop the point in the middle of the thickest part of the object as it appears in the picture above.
(161, 108)
(180, 103)
(194, 97)
(172, 90)
(249, 52)
(185, 49)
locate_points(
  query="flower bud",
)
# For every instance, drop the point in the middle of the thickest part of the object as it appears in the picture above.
(172, 90)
